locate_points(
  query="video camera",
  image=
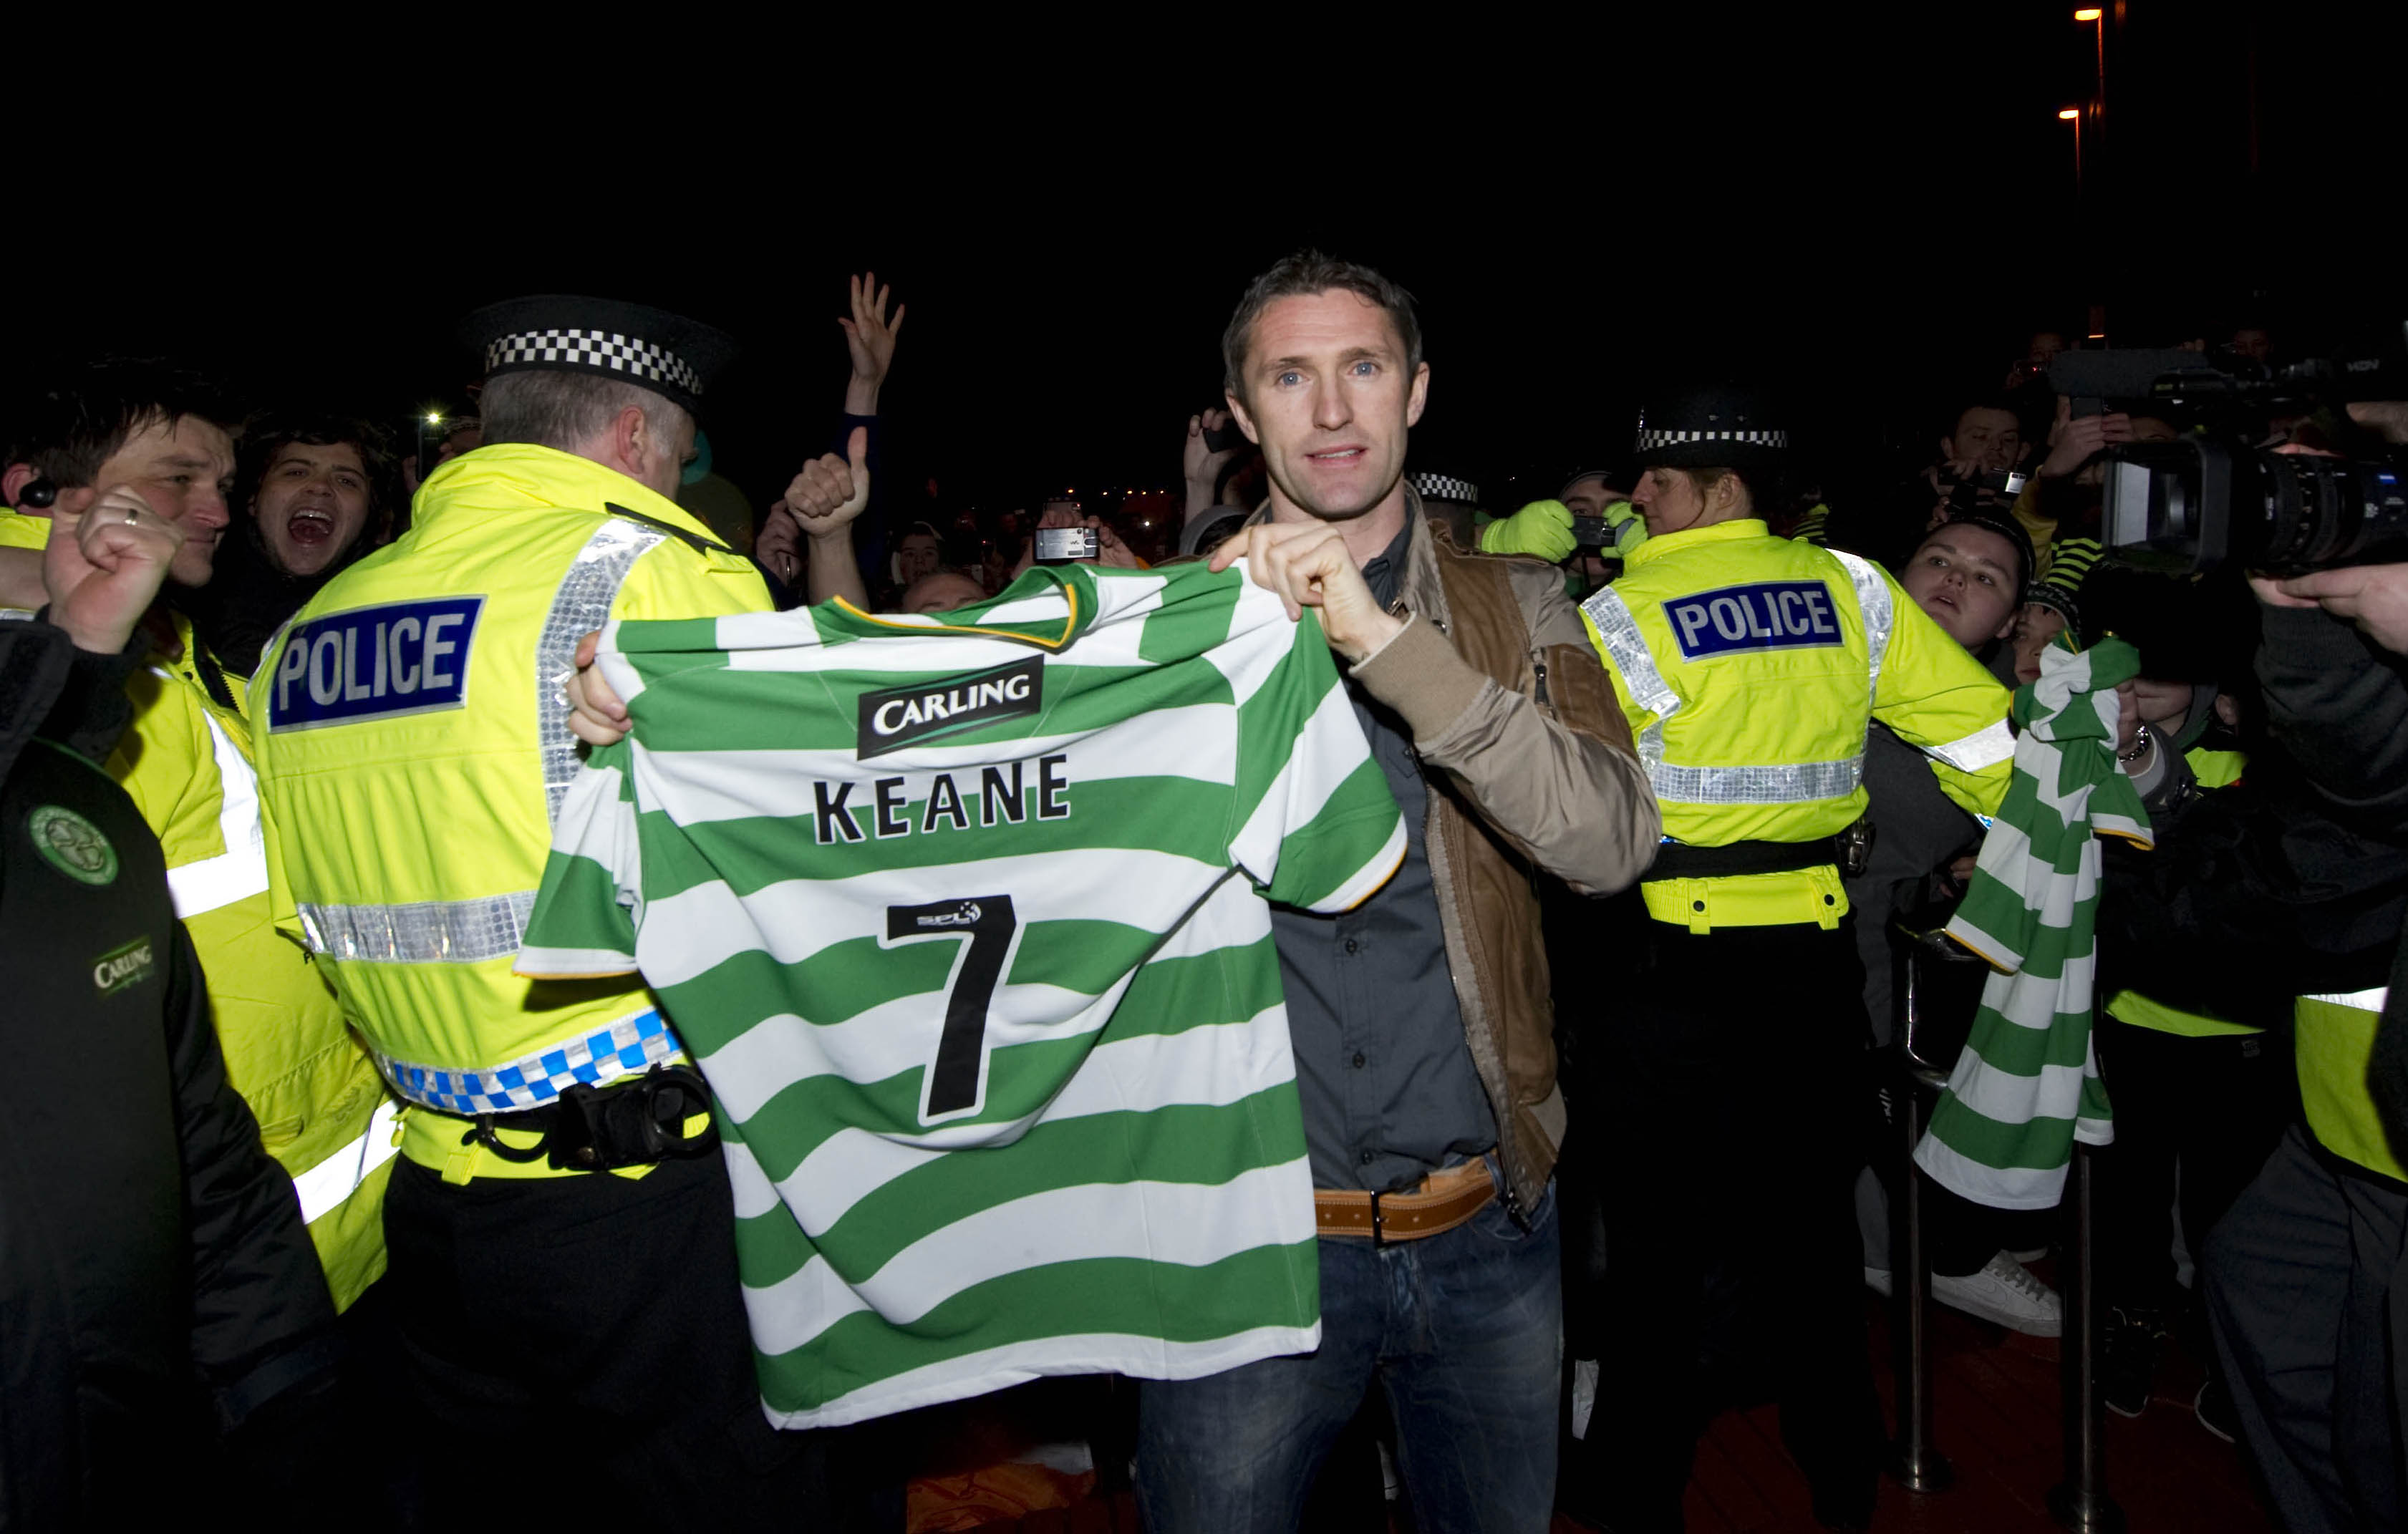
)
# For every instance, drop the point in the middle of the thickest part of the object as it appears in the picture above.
(2211, 497)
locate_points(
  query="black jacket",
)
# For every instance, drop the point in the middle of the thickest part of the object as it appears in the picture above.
(2340, 704)
(2294, 881)
(155, 1272)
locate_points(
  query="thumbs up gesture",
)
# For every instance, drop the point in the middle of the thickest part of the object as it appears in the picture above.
(830, 491)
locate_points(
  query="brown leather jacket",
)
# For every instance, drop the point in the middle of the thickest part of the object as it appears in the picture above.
(1505, 696)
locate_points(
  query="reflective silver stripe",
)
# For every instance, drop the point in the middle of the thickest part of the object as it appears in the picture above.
(1872, 604)
(1637, 665)
(2364, 1000)
(324, 1186)
(425, 932)
(582, 606)
(240, 871)
(1985, 747)
(1798, 783)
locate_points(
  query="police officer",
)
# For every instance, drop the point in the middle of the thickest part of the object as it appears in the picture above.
(1748, 666)
(559, 1223)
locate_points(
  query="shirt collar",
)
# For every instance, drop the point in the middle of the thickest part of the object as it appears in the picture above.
(549, 476)
(1049, 606)
(1660, 544)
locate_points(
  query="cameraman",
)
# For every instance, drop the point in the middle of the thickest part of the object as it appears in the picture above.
(2303, 1276)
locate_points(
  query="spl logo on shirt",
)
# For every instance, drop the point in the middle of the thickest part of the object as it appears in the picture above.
(900, 716)
(1773, 614)
(375, 663)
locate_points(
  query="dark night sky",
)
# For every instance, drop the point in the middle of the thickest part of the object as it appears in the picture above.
(1872, 220)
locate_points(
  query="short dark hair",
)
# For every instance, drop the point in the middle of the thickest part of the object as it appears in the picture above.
(1963, 407)
(1301, 276)
(69, 431)
(270, 432)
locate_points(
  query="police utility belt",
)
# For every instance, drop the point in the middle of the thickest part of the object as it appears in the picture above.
(1751, 884)
(1443, 1200)
(634, 1123)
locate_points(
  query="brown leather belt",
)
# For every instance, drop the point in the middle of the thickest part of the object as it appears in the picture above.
(1444, 1200)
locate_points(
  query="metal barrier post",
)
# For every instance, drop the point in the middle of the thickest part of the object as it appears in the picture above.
(1915, 1461)
(2081, 1503)
(1917, 1464)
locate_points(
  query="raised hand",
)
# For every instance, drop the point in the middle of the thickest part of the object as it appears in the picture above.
(870, 337)
(778, 544)
(105, 565)
(1201, 465)
(830, 491)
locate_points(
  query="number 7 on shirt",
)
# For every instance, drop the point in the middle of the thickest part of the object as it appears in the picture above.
(955, 1083)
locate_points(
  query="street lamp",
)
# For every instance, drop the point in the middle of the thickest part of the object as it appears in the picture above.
(2073, 115)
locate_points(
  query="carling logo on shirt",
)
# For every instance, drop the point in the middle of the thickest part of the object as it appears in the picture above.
(375, 663)
(899, 717)
(1773, 614)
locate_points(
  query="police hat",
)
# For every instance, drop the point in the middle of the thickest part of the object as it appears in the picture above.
(674, 357)
(1444, 487)
(1718, 428)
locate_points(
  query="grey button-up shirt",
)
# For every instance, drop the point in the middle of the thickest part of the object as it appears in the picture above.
(1390, 1092)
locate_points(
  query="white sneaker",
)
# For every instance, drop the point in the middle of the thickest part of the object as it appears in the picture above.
(1877, 1280)
(2005, 1292)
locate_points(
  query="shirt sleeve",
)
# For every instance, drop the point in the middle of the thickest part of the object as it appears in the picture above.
(1317, 826)
(589, 904)
(1940, 700)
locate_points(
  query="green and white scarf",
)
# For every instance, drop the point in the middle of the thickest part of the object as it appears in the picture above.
(2026, 1085)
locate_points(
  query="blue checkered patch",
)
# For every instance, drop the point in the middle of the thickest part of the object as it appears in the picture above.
(631, 1043)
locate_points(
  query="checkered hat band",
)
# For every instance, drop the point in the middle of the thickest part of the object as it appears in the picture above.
(1650, 437)
(633, 1043)
(1441, 486)
(604, 351)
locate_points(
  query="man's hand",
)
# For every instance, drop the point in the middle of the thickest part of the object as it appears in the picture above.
(596, 715)
(779, 543)
(1201, 465)
(2388, 417)
(2373, 596)
(1308, 565)
(1542, 530)
(830, 491)
(1110, 552)
(104, 565)
(2074, 443)
(870, 337)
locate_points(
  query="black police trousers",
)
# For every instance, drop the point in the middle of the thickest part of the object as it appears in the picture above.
(1724, 1098)
(579, 1344)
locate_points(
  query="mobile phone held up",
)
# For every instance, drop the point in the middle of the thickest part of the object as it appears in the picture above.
(1223, 439)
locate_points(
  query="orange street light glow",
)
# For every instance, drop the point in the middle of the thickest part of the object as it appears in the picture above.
(2088, 13)
(2067, 115)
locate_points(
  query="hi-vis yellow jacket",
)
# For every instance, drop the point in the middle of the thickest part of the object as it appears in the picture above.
(413, 749)
(2335, 1040)
(323, 1113)
(1748, 667)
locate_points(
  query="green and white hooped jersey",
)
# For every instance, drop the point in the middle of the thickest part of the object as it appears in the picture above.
(963, 918)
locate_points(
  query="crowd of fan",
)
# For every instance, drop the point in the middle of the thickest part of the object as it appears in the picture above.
(290, 497)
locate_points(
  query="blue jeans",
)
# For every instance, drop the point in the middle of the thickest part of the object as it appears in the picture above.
(1461, 1329)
